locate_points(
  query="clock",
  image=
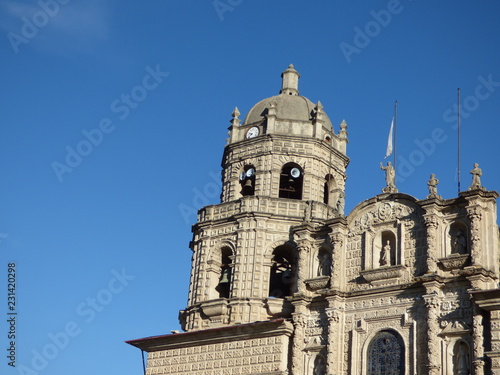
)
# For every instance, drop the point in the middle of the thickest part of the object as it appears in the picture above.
(252, 132)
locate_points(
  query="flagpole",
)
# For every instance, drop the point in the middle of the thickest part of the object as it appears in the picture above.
(395, 133)
(458, 148)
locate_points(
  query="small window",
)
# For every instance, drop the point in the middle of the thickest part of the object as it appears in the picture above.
(291, 180)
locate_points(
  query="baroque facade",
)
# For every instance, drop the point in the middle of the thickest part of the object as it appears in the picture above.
(284, 282)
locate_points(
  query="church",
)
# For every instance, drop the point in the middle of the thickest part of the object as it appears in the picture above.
(283, 281)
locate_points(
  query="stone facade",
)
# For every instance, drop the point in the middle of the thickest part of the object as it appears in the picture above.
(283, 282)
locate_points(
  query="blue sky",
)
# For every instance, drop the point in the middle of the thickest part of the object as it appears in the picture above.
(114, 118)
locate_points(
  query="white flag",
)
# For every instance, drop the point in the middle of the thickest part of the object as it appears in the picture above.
(389, 141)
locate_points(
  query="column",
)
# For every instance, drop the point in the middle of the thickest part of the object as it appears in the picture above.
(334, 341)
(474, 215)
(303, 250)
(433, 356)
(336, 240)
(299, 324)
(477, 342)
(431, 222)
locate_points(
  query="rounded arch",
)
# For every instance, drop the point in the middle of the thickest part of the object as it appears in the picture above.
(291, 181)
(458, 239)
(385, 353)
(384, 249)
(283, 271)
(220, 271)
(322, 262)
(247, 179)
(317, 364)
(461, 358)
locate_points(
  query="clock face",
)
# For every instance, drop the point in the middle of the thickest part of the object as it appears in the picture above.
(252, 132)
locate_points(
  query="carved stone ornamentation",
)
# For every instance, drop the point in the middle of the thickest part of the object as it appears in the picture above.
(433, 357)
(317, 283)
(474, 215)
(432, 223)
(298, 343)
(383, 273)
(454, 261)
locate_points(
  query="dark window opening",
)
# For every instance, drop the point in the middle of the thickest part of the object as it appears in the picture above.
(282, 277)
(224, 286)
(291, 180)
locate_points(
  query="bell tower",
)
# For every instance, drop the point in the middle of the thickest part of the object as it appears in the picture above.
(283, 167)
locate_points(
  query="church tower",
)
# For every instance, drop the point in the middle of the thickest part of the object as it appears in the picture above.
(282, 167)
(284, 282)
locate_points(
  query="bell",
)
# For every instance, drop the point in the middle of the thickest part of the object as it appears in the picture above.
(224, 279)
(248, 184)
(287, 275)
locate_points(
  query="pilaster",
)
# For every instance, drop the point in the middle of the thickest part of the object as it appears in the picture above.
(432, 304)
(299, 319)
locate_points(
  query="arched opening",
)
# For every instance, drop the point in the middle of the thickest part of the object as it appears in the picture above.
(283, 269)
(461, 359)
(224, 285)
(324, 262)
(291, 180)
(458, 238)
(247, 180)
(386, 354)
(388, 256)
(330, 193)
(319, 365)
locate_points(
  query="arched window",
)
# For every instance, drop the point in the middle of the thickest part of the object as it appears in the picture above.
(291, 180)
(224, 285)
(282, 277)
(386, 354)
(461, 359)
(458, 238)
(247, 180)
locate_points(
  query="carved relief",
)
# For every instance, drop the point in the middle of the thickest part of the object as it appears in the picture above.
(382, 212)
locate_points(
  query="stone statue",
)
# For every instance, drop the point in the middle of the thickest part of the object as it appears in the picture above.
(432, 184)
(476, 177)
(341, 203)
(390, 178)
(323, 264)
(385, 256)
(459, 243)
(462, 360)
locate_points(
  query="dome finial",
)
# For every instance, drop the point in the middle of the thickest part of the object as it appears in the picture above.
(290, 81)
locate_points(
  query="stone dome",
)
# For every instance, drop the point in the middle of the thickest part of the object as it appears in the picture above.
(289, 104)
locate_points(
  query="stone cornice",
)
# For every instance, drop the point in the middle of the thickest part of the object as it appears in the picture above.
(214, 335)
